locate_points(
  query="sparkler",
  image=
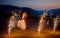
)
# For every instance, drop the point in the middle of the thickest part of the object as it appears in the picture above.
(12, 22)
(41, 22)
(55, 23)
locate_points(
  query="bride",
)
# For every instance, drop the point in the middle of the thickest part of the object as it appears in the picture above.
(22, 23)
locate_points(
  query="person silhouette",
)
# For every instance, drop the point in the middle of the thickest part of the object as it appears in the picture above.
(22, 23)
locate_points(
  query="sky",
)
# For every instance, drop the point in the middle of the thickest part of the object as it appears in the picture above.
(35, 4)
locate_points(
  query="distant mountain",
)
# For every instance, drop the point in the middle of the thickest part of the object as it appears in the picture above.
(39, 12)
(54, 11)
(5, 10)
(8, 8)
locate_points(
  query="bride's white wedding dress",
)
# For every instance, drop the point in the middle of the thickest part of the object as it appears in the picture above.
(21, 24)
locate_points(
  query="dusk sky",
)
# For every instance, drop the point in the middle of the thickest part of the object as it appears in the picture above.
(35, 4)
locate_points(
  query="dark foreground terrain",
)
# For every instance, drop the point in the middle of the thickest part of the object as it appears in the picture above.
(32, 34)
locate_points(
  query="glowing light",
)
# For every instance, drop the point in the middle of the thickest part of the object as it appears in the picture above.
(41, 22)
(55, 23)
(12, 22)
